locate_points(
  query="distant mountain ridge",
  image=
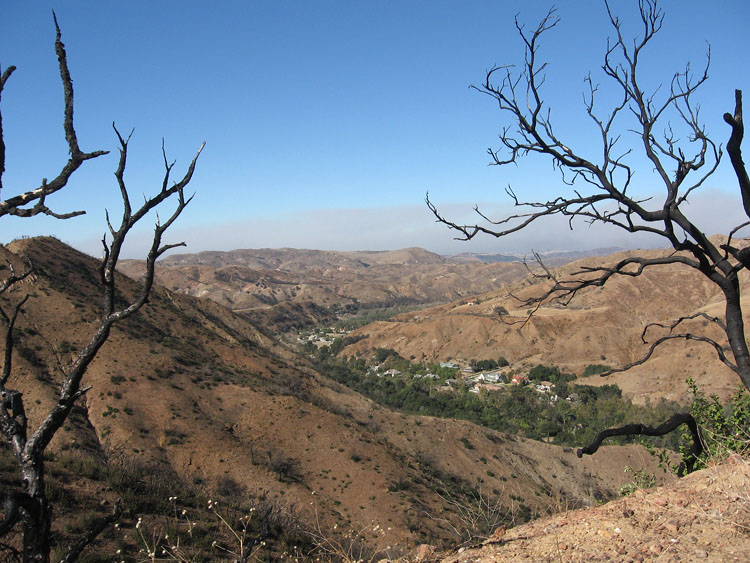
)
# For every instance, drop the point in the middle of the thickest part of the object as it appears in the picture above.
(254, 279)
(551, 257)
(246, 280)
(294, 259)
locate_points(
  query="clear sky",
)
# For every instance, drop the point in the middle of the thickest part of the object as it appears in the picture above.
(326, 121)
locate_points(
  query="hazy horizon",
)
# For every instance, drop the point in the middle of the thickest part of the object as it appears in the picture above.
(327, 122)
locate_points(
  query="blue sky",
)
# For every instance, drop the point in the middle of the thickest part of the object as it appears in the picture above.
(326, 122)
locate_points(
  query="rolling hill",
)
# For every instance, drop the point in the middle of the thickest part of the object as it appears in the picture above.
(599, 326)
(245, 280)
(196, 392)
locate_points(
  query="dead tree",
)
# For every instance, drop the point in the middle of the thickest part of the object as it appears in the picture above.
(661, 125)
(28, 506)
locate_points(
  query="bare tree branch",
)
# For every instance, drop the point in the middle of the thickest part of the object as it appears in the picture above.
(659, 124)
(70, 389)
(17, 205)
(9, 324)
(735, 152)
(3, 79)
(675, 421)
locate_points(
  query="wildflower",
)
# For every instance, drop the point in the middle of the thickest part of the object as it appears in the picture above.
(138, 524)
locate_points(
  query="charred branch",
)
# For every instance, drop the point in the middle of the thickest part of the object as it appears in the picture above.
(32, 202)
(3, 79)
(564, 290)
(674, 422)
(71, 387)
(10, 322)
(735, 152)
(519, 96)
(13, 504)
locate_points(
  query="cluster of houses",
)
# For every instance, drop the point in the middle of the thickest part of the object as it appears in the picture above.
(477, 382)
(322, 338)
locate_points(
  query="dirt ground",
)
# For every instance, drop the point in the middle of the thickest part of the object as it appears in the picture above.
(702, 517)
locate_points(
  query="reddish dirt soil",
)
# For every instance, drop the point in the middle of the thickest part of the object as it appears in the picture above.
(703, 517)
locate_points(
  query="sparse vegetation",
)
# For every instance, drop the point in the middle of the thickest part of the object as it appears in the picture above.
(724, 428)
(641, 480)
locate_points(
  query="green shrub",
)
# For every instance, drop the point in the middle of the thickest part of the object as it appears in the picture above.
(641, 480)
(593, 369)
(724, 429)
(67, 347)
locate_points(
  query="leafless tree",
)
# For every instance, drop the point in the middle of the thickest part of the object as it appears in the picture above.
(665, 127)
(29, 505)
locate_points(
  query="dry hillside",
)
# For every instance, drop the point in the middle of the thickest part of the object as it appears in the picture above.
(703, 517)
(260, 279)
(195, 391)
(599, 326)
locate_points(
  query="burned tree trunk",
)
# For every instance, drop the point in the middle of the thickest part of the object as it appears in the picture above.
(30, 505)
